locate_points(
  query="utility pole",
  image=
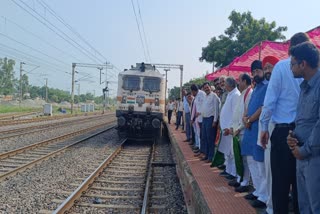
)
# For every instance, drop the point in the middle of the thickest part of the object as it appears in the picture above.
(72, 86)
(181, 79)
(21, 93)
(46, 90)
(79, 96)
(166, 84)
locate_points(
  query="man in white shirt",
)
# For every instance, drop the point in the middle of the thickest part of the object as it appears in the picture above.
(170, 108)
(199, 97)
(238, 127)
(210, 114)
(226, 122)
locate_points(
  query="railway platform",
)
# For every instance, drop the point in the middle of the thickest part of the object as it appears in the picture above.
(204, 190)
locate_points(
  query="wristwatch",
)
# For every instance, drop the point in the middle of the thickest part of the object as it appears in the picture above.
(248, 121)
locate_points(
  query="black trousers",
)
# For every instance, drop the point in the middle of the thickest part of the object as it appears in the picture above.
(169, 115)
(283, 168)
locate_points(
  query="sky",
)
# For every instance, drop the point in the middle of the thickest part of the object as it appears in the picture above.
(175, 31)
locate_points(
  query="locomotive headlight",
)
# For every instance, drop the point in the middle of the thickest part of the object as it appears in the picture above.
(131, 108)
(156, 123)
(121, 121)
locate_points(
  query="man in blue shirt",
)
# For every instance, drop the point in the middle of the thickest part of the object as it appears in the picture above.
(304, 140)
(280, 108)
(254, 154)
(187, 116)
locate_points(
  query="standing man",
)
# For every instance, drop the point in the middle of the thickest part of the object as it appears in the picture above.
(280, 107)
(210, 114)
(238, 128)
(304, 140)
(171, 107)
(249, 148)
(226, 123)
(179, 112)
(224, 92)
(267, 64)
(187, 116)
(196, 117)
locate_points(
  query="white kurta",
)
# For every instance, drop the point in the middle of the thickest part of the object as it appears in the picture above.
(198, 101)
(226, 116)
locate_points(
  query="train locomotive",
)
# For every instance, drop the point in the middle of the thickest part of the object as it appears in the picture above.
(140, 102)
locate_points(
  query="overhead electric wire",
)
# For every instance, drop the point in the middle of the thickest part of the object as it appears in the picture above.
(45, 5)
(145, 37)
(32, 58)
(12, 39)
(141, 40)
(38, 37)
(44, 23)
(60, 19)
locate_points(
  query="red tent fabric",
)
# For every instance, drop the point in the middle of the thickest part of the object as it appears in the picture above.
(242, 64)
(259, 51)
(314, 35)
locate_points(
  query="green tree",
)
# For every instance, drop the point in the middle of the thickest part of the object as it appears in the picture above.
(7, 81)
(174, 93)
(244, 32)
(25, 83)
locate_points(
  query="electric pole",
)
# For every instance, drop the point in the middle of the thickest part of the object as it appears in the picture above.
(21, 93)
(46, 90)
(72, 86)
(166, 84)
(79, 96)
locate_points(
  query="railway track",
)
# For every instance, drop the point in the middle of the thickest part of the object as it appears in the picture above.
(12, 116)
(5, 134)
(121, 183)
(18, 160)
(40, 119)
(130, 180)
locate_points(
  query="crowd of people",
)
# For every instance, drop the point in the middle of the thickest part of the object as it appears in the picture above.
(261, 129)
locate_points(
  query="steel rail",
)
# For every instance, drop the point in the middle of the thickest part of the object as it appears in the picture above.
(35, 145)
(69, 202)
(40, 119)
(18, 169)
(44, 127)
(144, 208)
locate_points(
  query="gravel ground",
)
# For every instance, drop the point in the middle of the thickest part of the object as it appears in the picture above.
(174, 200)
(35, 189)
(24, 140)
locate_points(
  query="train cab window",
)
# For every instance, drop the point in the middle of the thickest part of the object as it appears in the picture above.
(131, 83)
(151, 84)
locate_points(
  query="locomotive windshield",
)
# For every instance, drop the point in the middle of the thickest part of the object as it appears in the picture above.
(151, 84)
(131, 83)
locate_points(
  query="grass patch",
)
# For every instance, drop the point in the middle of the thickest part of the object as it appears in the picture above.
(14, 109)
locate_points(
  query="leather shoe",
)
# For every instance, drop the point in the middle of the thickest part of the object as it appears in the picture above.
(222, 167)
(251, 197)
(258, 204)
(242, 189)
(207, 161)
(183, 131)
(187, 140)
(204, 158)
(197, 154)
(224, 174)
(230, 177)
(233, 183)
